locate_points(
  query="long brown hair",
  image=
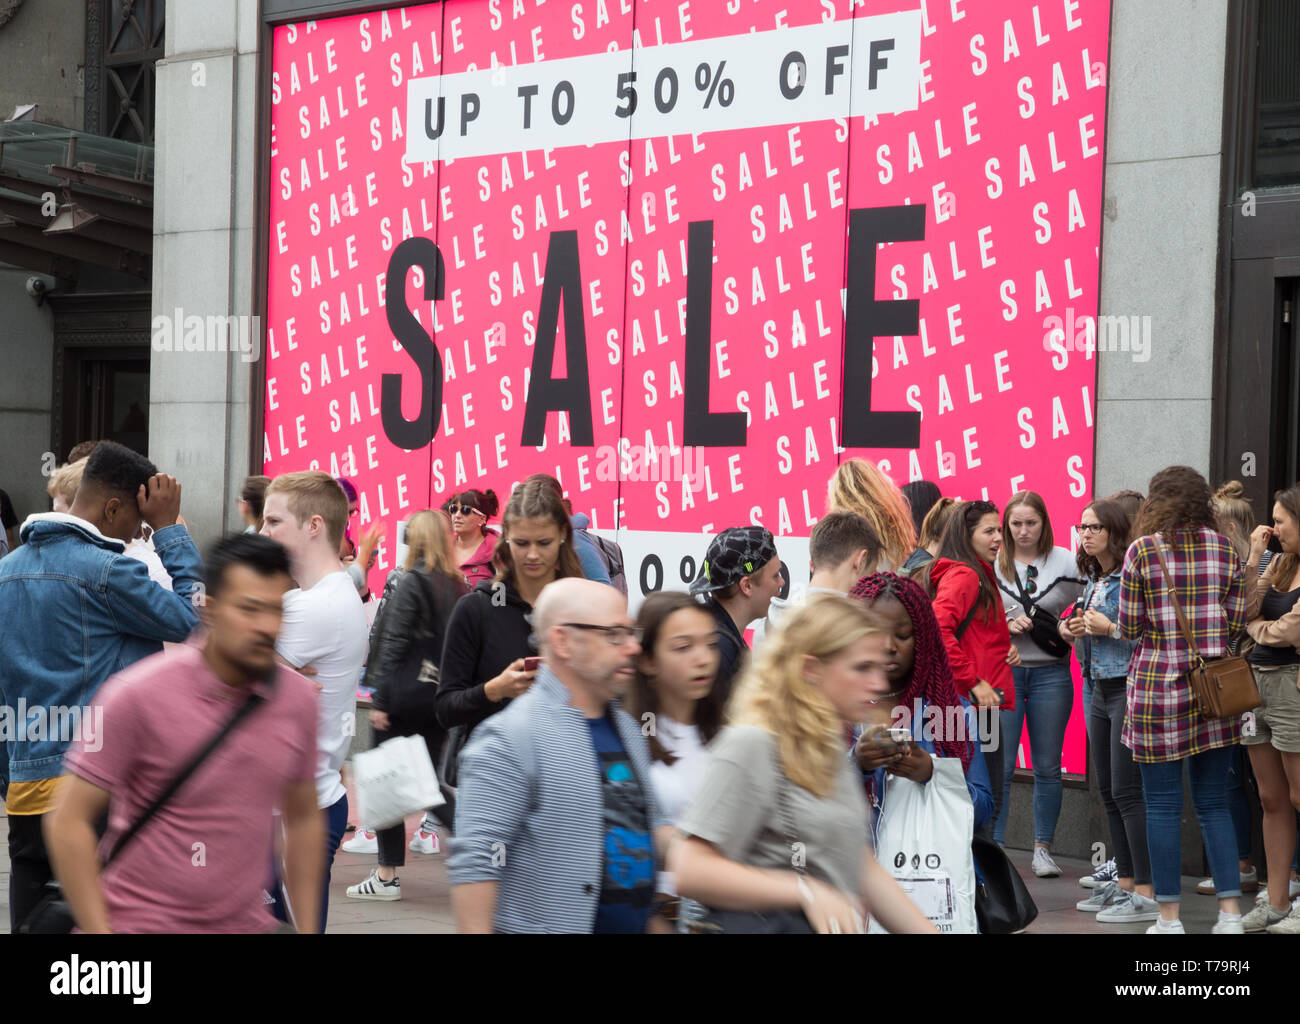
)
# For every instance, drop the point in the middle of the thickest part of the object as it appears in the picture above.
(1287, 565)
(643, 698)
(1006, 557)
(1177, 505)
(1112, 516)
(535, 499)
(958, 547)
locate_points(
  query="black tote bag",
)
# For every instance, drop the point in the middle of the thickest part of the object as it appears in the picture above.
(1003, 905)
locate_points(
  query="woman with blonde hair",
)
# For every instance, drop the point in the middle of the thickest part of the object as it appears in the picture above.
(777, 838)
(1236, 520)
(858, 486)
(405, 648)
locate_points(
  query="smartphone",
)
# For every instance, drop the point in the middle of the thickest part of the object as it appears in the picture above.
(1077, 610)
(900, 734)
(532, 664)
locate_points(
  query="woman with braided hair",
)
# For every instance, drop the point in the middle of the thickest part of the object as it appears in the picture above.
(920, 679)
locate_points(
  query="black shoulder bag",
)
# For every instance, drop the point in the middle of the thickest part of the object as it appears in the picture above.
(1045, 625)
(52, 915)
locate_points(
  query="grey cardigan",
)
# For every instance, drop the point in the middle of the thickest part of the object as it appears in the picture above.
(530, 811)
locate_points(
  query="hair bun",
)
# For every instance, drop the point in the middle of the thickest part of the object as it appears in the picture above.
(1233, 490)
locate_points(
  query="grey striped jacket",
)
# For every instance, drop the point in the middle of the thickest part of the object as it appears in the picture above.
(530, 810)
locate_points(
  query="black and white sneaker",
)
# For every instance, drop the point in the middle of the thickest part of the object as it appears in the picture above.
(1105, 873)
(375, 888)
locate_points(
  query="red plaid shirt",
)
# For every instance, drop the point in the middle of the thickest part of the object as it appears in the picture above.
(1162, 723)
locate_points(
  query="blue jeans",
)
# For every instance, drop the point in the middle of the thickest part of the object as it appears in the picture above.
(336, 824)
(1044, 697)
(1238, 806)
(1163, 785)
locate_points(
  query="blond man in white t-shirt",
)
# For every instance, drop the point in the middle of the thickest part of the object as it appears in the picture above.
(324, 630)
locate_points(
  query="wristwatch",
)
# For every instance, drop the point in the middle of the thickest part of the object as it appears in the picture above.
(1114, 631)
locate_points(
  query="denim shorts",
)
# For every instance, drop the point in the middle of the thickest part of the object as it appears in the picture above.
(1277, 719)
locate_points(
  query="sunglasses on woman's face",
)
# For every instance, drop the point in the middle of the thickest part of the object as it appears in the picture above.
(1031, 579)
(463, 510)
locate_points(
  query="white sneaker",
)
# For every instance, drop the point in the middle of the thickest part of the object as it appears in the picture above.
(1130, 908)
(1101, 898)
(1232, 927)
(1260, 916)
(363, 842)
(375, 888)
(1249, 883)
(424, 842)
(1160, 928)
(1043, 865)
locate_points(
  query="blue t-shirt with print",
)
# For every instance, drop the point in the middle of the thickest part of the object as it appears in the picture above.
(627, 881)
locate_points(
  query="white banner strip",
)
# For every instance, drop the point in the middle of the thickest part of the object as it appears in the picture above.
(866, 65)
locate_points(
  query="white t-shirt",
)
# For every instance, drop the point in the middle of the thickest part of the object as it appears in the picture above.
(325, 627)
(676, 784)
(779, 609)
(143, 551)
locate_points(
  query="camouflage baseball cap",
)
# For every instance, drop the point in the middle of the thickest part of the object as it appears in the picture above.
(734, 554)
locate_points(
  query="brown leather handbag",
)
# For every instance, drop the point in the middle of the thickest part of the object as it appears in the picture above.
(1223, 687)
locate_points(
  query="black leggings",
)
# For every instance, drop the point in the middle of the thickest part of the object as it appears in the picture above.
(1119, 780)
(392, 840)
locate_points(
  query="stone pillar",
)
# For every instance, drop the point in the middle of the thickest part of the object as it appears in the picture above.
(204, 252)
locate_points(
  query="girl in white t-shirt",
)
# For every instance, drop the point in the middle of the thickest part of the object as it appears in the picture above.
(678, 704)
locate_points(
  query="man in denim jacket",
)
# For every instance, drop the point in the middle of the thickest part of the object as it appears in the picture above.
(78, 610)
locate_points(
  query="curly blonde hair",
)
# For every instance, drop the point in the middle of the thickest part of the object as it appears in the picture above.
(858, 486)
(773, 694)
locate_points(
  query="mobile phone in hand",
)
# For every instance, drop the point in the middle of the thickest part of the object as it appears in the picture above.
(532, 664)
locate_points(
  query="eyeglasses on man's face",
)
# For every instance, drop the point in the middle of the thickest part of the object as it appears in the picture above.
(1090, 528)
(615, 636)
(463, 510)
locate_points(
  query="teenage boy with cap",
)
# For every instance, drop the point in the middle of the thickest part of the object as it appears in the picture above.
(740, 575)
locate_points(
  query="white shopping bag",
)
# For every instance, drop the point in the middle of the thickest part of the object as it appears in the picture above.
(394, 780)
(923, 840)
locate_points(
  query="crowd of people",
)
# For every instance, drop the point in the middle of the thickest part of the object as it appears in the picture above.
(603, 771)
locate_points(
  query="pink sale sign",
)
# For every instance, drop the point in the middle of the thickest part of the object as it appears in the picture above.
(687, 257)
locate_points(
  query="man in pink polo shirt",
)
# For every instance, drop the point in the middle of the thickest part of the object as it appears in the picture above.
(199, 865)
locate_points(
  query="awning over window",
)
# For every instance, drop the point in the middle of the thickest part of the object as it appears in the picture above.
(68, 197)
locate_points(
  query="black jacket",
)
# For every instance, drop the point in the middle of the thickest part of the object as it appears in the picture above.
(731, 648)
(412, 620)
(490, 627)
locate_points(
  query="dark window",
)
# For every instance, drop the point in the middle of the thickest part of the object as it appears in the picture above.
(124, 39)
(1277, 91)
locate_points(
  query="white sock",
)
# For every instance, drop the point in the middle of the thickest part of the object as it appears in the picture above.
(1168, 925)
(1225, 916)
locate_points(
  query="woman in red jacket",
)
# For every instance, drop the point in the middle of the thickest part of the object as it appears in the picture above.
(973, 622)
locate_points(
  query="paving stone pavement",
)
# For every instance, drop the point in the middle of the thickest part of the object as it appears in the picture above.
(425, 906)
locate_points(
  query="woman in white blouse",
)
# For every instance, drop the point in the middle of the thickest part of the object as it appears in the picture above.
(677, 703)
